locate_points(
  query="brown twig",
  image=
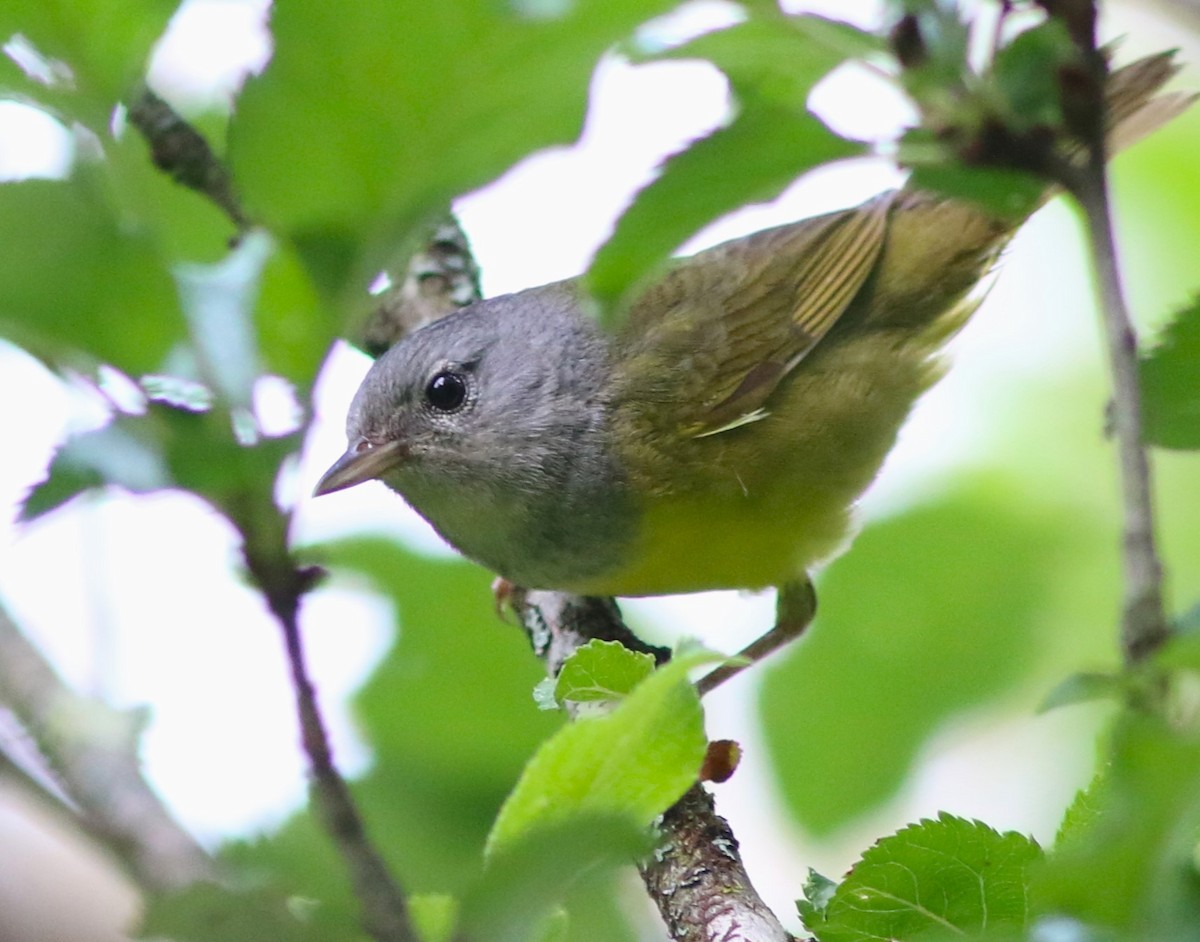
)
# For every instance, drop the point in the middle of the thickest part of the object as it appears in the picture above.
(1144, 625)
(92, 751)
(180, 151)
(695, 877)
(385, 912)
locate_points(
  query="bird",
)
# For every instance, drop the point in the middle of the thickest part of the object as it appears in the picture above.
(720, 436)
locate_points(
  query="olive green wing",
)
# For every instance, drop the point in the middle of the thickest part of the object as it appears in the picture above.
(706, 345)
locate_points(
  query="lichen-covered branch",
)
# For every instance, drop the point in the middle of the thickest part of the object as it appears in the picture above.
(697, 880)
(439, 278)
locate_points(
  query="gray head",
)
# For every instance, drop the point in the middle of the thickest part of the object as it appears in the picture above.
(492, 423)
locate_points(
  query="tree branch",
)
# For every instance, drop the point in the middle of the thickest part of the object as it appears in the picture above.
(696, 877)
(1144, 625)
(181, 152)
(384, 910)
(92, 751)
(439, 278)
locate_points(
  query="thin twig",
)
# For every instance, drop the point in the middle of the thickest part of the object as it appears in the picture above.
(180, 151)
(1144, 624)
(385, 912)
(696, 877)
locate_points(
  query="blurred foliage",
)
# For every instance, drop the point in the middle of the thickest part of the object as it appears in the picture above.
(893, 653)
(1171, 383)
(771, 64)
(94, 50)
(78, 286)
(369, 119)
(1132, 865)
(430, 100)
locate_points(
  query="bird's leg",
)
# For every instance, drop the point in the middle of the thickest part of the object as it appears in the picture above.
(795, 606)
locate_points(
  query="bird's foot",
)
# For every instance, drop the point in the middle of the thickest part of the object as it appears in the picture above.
(795, 606)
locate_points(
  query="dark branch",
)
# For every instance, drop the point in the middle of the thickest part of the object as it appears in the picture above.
(385, 912)
(180, 151)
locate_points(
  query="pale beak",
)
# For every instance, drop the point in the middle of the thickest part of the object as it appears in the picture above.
(363, 461)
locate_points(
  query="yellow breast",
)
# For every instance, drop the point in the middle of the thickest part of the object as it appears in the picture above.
(687, 545)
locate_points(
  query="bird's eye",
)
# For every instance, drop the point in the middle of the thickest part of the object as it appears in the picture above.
(446, 391)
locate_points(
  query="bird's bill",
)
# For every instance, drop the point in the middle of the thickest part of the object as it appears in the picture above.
(363, 461)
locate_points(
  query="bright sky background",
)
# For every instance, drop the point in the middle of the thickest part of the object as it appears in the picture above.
(132, 597)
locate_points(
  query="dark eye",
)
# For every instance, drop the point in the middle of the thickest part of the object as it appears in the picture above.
(446, 391)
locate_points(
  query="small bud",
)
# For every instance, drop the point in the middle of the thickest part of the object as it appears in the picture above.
(720, 760)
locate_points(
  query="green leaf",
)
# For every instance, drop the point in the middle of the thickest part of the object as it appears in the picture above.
(777, 58)
(219, 301)
(171, 447)
(517, 899)
(1083, 688)
(434, 915)
(1170, 381)
(295, 330)
(751, 160)
(601, 671)
(933, 611)
(1027, 71)
(203, 912)
(104, 43)
(1083, 813)
(818, 892)
(1133, 869)
(127, 452)
(430, 100)
(1006, 194)
(633, 762)
(79, 283)
(946, 876)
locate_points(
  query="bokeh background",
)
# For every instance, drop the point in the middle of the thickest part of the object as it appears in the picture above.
(985, 574)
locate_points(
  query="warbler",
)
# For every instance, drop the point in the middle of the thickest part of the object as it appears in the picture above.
(720, 437)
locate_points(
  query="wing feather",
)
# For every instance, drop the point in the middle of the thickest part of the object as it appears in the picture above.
(706, 346)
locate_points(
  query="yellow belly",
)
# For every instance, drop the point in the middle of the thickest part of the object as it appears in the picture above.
(690, 546)
(756, 505)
